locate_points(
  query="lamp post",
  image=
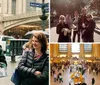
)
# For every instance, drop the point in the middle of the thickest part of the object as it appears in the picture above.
(43, 17)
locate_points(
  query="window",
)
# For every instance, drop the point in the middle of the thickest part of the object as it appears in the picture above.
(87, 48)
(63, 48)
(75, 48)
(13, 6)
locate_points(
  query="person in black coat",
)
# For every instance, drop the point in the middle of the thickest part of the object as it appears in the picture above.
(63, 30)
(93, 81)
(75, 29)
(82, 22)
(33, 68)
(88, 33)
(2, 57)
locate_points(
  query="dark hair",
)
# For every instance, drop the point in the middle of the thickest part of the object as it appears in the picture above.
(42, 39)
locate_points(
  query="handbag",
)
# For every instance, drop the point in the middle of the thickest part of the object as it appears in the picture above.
(15, 77)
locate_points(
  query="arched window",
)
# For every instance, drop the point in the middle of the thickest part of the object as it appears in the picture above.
(87, 48)
(63, 48)
(75, 48)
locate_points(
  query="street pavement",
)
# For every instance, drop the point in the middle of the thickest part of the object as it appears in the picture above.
(10, 69)
(54, 36)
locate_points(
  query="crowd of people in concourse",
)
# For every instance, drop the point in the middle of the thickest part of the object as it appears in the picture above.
(78, 73)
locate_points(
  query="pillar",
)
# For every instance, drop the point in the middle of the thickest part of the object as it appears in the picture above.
(1, 16)
(0, 6)
(1, 27)
(9, 6)
(4, 6)
(19, 7)
(24, 6)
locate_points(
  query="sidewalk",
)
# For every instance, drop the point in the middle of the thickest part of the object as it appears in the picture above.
(97, 30)
(10, 69)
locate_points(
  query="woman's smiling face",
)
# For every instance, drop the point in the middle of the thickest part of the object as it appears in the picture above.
(36, 43)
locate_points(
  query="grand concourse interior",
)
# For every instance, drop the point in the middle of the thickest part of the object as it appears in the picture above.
(75, 64)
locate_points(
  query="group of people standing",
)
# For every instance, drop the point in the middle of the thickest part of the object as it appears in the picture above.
(82, 25)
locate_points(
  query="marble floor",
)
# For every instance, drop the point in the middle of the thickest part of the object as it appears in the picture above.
(66, 75)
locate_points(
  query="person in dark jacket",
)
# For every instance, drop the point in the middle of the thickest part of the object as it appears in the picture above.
(34, 65)
(75, 24)
(88, 35)
(82, 22)
(63, 30)
(93, 81)
(2, 57)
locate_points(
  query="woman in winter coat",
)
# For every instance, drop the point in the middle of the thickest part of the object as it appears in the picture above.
(33, 68)
(88, 33)
(63, 30)
(75, 29)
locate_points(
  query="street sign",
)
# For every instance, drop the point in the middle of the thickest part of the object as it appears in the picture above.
(46, 4)
(32, 4)
(35, 4)
(38, 4)
(47, 9)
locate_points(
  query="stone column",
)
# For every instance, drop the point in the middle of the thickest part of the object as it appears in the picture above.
(0, 6)
(9, 6)
(24, 6)
(1, 28)
(4, 6)
(1, 24)
(19, 7)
